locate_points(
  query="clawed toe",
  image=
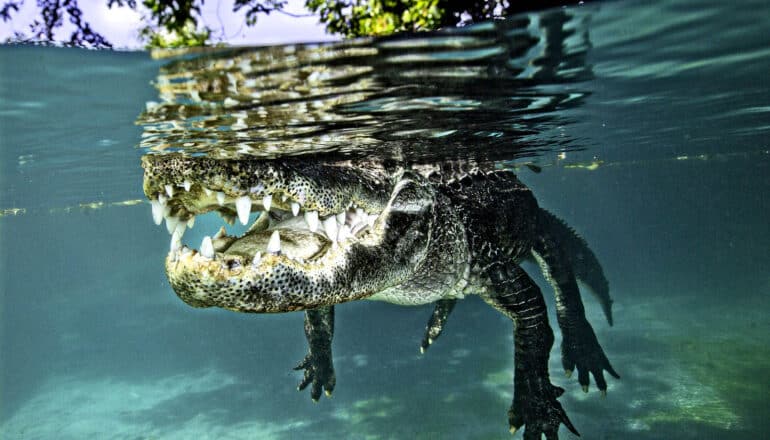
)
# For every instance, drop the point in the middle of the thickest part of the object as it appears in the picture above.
(319, 373)
(536, 409)
(582, 351)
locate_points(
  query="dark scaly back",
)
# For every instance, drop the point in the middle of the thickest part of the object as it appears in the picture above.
(496, 209)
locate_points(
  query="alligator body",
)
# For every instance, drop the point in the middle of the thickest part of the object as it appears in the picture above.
(328, 233)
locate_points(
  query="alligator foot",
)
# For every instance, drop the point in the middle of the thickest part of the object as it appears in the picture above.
(318, 364)
(580, 349)
(319, 371)
(535, 407)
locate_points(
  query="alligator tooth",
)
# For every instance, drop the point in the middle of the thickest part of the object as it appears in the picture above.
(341, 218)
(295, 208)
(191, 222)
(220, 198)
(169, 190)
(284, 198)
(360, 213)
(186, 251)
(311, 218)
(207, 191)
(207, 248)
(176, 237)
(243, 206)
(162, 199)
(157, 211)
(181, 227)
(330, 226)
(176, 243)
(267, 201)
(274, 245)
(220, 233)
(257, 259)
(343, 233)
(187, 185)
(171, 223)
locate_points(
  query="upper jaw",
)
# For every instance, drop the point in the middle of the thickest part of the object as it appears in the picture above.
(193, 185)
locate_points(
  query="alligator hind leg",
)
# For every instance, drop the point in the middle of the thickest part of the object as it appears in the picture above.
(580, 349)
(581, 258)
(534, 397)
(318, 365)
(436, 323)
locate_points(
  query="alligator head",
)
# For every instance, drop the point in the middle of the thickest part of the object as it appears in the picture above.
(327, 232)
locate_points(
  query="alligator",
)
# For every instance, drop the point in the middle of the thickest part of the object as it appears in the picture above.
(328, 232)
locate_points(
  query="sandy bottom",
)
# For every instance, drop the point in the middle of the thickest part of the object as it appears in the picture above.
(688, 371)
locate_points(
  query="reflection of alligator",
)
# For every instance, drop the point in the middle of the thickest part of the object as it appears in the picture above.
(331, 233)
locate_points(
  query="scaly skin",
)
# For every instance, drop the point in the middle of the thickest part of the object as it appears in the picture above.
(431, 236)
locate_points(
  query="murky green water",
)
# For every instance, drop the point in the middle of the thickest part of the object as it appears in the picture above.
(649, 124)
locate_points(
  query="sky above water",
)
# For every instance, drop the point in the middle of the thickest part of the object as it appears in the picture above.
(121, 25)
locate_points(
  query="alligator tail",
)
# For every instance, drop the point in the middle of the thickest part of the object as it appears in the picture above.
(584, 263)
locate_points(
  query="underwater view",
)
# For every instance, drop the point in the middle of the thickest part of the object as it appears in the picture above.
(602, 170)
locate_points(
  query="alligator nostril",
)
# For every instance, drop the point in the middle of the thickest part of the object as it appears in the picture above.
(233, 264)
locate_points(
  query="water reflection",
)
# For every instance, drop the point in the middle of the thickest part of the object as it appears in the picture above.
(488, 91)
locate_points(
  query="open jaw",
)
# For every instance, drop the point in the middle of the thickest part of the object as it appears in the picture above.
(296, 246)
(301, 236)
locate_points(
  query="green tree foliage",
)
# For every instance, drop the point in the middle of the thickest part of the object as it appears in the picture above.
(354, 18)
(171, 23)
(175, 23)
(378, 17)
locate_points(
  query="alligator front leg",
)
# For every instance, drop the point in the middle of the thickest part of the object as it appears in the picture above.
(436, 323)
(318, 364)
(534, 397)
(580, 349)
